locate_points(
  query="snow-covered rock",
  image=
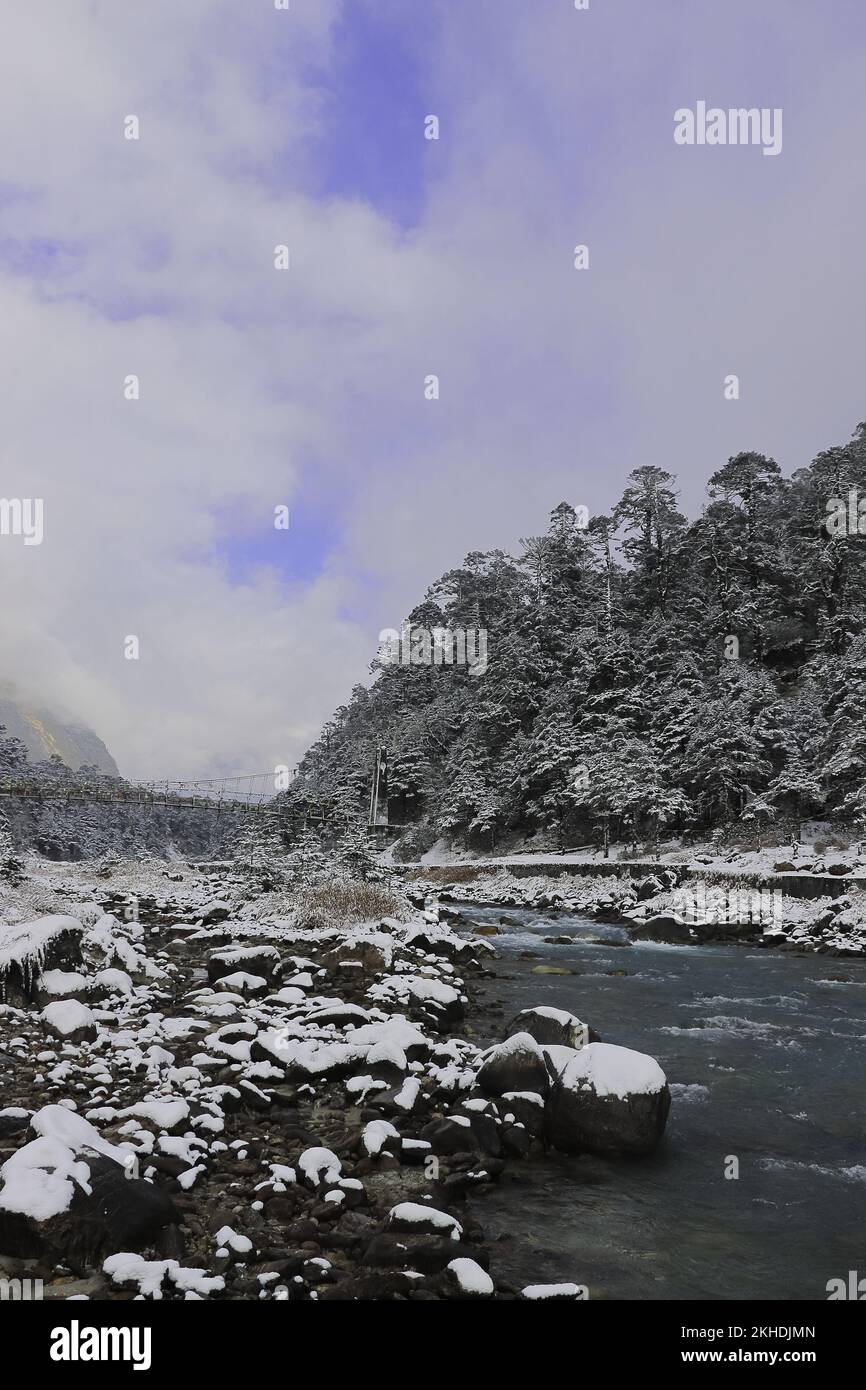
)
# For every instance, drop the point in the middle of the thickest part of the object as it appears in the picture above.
(551, 1026)
(471, 1280)
(28, 948)
(416, 1219)
(608, 1099)
(514, 1065)
(69, 1020)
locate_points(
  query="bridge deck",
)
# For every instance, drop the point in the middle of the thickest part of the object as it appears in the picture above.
(172, 801)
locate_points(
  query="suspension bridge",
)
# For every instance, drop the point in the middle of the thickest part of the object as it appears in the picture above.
(253, 793)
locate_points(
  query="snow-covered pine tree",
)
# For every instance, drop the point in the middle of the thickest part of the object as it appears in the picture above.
(260, 854)
(354, 854)
(307, 858)
(11, 863)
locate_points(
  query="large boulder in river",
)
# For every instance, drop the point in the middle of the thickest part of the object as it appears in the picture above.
(553, 1027)
(663, 927)
(608, 1100)
(514, 1065)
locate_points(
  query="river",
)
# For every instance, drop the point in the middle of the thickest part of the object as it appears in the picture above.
(765, 1053)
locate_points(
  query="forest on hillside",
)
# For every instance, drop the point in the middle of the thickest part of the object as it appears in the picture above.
(644, 672)
(60, 827)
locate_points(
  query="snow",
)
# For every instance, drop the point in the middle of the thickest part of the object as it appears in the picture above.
(376, 1134)
(531, 1096)
(320, 1165)
(129, 1268)
(67, 1127)
(471, 1278)
(397, 1030)
(241, 982)
(287, 995)
(241, 1245)
(39, 1179)
(62, 982)
(237, 955)
(188, 1178)
(518, 1043)
(408, 1093)
(559, 1056)
(113, 981)
(613, 1071)
(165, 1114)
(541, 1291)
(559, 1015)
(414, 1214)
(280, 1172)
(66, 1016)
(417, 986)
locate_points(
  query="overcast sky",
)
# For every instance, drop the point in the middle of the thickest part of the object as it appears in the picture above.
(409, 257)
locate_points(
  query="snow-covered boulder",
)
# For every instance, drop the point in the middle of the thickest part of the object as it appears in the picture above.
(554, 1027)
(608, 1100)
(29, 948)
(62, 984)
(663, 926)
(649, 887)
(320, 1166)
(469, 1279)
(514, 1065)
(250, 960)
(415, 1219)
(241, 982)
(71, 1195)
(111, 982)
(69, 1020)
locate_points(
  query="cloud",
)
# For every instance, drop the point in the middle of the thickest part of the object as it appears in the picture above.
(260, 387)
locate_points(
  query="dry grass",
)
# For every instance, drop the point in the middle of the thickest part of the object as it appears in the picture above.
(444, 873)
(341, 902)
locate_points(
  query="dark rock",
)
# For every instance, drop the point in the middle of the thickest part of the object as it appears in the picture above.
(251, 960)
(516, 1141)
(485, 1132)
(649, 888)
(580, 1117)
(514, 1065)
(528, 1113)
(428, 1254)
(662, 928)
(120, 1213)
(552, 1027)
(446, 1136)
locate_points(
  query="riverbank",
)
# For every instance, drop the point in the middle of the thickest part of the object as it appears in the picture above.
(677, 903)
(764, 1053)
(199, 1103)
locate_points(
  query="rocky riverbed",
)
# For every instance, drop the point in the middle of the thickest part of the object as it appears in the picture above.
(198, 1103)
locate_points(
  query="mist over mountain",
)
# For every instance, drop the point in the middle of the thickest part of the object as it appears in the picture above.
(46, 733)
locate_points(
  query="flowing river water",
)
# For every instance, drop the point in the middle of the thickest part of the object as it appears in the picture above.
(765, 1053)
